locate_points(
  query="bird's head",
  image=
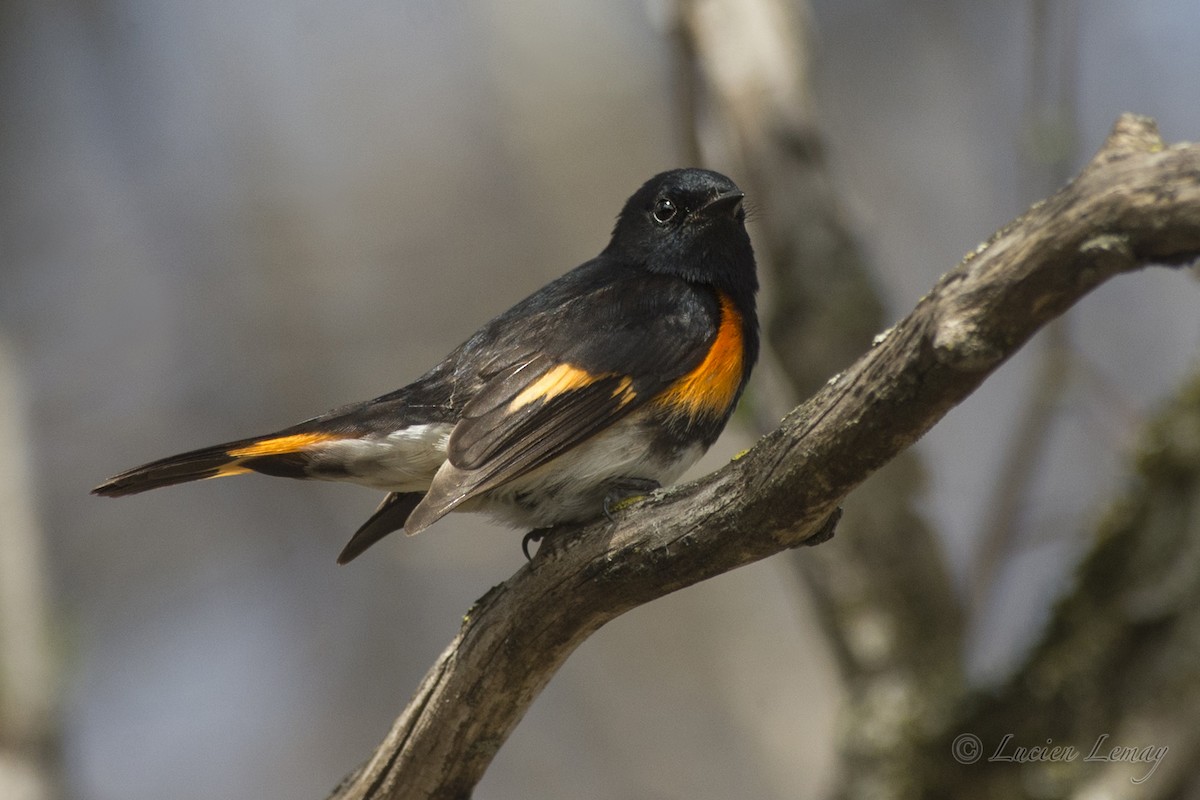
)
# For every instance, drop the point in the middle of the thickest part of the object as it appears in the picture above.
(690, 223)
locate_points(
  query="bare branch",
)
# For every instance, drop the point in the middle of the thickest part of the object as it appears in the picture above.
(1137, 203)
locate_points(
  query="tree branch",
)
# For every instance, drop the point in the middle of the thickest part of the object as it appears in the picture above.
(1137, 203)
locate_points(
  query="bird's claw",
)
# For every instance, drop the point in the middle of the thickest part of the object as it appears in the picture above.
(536, 535)
(625, 492)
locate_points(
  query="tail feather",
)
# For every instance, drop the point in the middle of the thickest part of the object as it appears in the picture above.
(279, 455)
(390, 516)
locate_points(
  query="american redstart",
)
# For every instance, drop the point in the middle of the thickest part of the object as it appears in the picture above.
(606, 383)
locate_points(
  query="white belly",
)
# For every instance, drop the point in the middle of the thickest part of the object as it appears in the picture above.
(572, 487)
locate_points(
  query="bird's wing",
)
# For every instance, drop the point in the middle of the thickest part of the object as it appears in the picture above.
(598, 358)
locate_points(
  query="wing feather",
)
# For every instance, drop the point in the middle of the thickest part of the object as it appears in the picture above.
(555, 394)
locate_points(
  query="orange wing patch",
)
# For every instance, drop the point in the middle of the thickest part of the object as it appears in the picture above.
(711, 387)
(624, 391)
(281, 444)
(562, 378)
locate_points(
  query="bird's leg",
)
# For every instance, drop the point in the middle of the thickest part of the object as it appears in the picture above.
(621, 492)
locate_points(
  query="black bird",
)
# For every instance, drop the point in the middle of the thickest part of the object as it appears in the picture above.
(605, 383)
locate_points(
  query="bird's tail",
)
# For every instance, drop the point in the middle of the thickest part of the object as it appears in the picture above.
(286, 455)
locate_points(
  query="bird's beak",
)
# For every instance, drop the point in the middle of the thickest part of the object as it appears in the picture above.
(727, 203)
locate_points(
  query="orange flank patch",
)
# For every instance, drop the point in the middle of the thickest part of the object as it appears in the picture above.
(558, 380)
(280, 445)
(710, 387)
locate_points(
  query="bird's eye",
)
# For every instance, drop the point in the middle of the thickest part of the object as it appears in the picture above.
(664, 211)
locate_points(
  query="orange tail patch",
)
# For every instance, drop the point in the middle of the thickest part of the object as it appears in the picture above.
(280, 445)
(275, 455)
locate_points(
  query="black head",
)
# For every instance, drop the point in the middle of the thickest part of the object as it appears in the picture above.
(690, 223)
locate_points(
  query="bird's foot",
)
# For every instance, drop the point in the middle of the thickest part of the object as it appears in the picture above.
(535, 536)
(624, 492)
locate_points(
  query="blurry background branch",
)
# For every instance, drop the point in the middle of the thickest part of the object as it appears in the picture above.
(884, 594)
(27, 669)
(1137, 203)
(1048, 152)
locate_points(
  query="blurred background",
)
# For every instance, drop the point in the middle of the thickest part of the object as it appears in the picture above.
(219, 218)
